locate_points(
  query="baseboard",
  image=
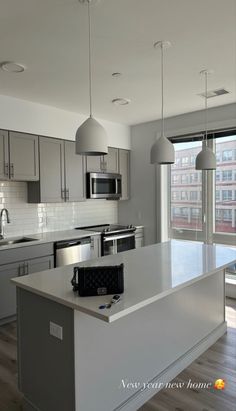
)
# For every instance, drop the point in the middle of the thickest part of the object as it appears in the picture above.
(140, 397)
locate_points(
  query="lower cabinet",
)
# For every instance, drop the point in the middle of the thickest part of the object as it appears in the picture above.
(8, 290)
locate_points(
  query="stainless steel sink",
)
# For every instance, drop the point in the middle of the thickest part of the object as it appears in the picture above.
(18, 240)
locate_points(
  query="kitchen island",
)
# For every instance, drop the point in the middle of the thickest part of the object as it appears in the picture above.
(172, 310)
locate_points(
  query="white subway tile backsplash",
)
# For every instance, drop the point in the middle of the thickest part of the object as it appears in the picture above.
(37, 218)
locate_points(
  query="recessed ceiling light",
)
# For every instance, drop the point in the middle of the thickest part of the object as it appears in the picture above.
(116, 75)
(12, 67)
(121, 101)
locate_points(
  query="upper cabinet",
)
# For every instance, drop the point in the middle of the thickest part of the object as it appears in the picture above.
(23, 150)
(4, 155)
(106, 164)
(74, 173)
(124, 170)
(18, 156)
(61, 173)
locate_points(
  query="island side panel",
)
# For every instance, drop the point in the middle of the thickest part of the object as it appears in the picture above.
(138, 347)
(46, 364)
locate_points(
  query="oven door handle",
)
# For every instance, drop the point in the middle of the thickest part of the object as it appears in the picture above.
(118, 237)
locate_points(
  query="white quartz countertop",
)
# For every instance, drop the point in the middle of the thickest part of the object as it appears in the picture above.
(50, 237)
(150, 273)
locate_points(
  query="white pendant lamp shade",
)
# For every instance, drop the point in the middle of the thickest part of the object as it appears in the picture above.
(206, 159)
(91, 138)
(162, 151)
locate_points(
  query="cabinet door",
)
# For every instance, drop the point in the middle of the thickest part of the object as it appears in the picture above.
(24, 165)
(39, 264)
(74, 174)
(111, 164)
(93, 163)
(124, 167)
(8, 290)
(52, 174)
(4, 159)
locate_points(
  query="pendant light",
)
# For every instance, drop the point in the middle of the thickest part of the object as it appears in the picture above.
(91, 138)
(206, 159)
(162, 151)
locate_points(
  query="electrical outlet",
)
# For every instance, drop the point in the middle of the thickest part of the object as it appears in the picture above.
(56, 330)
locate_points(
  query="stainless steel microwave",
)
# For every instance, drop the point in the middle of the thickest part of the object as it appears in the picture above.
(104, 185)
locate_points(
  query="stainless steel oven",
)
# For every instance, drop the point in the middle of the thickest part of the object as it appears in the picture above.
(113, 244)
(104, 185)
(115, 238)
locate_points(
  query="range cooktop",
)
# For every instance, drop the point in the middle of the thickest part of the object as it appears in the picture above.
(108, 228)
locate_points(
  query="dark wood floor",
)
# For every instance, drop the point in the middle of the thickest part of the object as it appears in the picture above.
(217, 362)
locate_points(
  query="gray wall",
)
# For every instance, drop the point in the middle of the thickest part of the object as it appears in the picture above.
(148, 190)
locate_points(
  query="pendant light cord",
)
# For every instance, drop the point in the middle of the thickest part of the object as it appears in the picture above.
(90, 61)
(206, 107)
(162, 89)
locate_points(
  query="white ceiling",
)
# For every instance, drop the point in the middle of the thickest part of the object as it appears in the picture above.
(50, 38)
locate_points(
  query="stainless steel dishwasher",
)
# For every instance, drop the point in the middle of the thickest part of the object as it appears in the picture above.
(72, 251)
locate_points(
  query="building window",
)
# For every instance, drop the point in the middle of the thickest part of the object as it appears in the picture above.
(184, 195)
(227, 215)
(192, 160)
(184, 179)
(218, 175)
(227, 195)
(227, 175)
(217, 195)
(175, 195)
(184, 161)
(227, 155)
(194, 178)
(195, 212)
(218, 157)
(193, 195)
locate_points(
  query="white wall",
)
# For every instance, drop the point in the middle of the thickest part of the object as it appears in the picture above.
(25, 116)
(148, 187)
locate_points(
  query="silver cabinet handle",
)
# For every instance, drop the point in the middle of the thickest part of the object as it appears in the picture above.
(63, 194)
(6, 169)
(11, 170)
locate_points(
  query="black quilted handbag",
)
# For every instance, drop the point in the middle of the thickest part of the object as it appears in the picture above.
(90, 281)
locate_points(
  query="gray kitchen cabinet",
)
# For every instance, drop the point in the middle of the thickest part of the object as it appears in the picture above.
(93, 163)
(19, 268)
(124, 170)
(7, 290)
(74, 174)
(50, 188)
(108, 163)
(24, 165)
(4, 155)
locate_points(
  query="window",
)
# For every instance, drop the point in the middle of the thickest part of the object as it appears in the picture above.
(184, 195)
(227, 195)
(227, 175)
(227, 155)
(217, 195)
(193, 195)
(184, 179)
(225, 218)
(189, 216)
(184, 161)
(218, 187)
(175, 179)
(175, 195)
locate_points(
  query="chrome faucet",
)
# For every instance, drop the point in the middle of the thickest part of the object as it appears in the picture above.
(4, 210)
